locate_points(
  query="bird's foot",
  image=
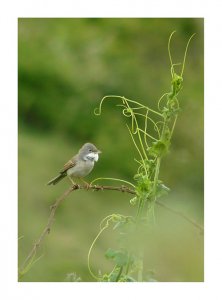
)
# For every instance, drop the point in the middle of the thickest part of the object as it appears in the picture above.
(87, 185)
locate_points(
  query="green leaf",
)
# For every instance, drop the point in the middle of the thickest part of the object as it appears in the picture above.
(144, 184)
(110, 253)
(159, 148)
(121, 258)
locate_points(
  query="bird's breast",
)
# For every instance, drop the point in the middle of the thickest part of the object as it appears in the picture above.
(81, 169)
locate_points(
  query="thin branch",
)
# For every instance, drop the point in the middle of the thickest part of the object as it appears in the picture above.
(130, 191)
(179, 213)
(46, 229)
(53, 208)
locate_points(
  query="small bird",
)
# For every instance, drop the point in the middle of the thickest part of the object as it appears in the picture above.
(79, 165)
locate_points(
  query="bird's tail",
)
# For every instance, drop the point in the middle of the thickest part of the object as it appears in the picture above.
(56, 179)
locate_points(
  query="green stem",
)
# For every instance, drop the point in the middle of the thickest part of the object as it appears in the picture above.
(140, 271)
(128, 264)
(137, 131)
(147, 134)
(185, 54)
(140, 206)
(169, 52)
(119, 274)
(137, 148)
(156, 175)
(153, 111)
(174, 123)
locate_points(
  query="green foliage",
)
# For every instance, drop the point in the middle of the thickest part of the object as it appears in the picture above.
(159, 148)
(120, 257)
(133, 230)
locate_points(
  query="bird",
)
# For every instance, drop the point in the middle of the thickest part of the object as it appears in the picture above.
(80, 165)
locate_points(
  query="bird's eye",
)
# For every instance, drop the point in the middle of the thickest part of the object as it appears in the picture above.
(90, 150)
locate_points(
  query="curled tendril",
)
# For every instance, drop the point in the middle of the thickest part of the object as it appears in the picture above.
(145, 129)
(137, 148)
(147, 134)
(113, 217)
(169, 52)
(156, 127)
(139, 162)
(101, 225)
(141, 165)
(159, 122)
(133, 118)
(140, 106)
(161, 98)
(107, 220)
(138, 112)
(185, 54)
(93, 243)
(98, 110)
(184, 58)
(115, 179)
(139, 169)
(128, 112)
(175, 102)
(136, 108)
(134, 121)
(148, 118)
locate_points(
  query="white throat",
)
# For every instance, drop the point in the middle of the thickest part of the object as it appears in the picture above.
(92, 156)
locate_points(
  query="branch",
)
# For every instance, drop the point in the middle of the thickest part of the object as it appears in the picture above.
(46, 230)
(130, 191)
(179, 213)
(53, 208)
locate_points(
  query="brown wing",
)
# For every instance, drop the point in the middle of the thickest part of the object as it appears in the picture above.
(71, 163)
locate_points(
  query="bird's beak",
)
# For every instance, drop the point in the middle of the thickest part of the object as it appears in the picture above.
(98, 151)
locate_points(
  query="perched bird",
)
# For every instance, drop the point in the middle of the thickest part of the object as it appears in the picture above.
(79, 165)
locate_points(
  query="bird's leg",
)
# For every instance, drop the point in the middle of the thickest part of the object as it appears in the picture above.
(70, 178)
(87, 185)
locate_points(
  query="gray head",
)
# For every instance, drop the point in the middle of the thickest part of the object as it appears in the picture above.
(89, 152)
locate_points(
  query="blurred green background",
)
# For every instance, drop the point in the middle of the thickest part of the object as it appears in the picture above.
(65, 66)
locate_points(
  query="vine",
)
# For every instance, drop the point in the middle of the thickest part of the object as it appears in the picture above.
(151, 148)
